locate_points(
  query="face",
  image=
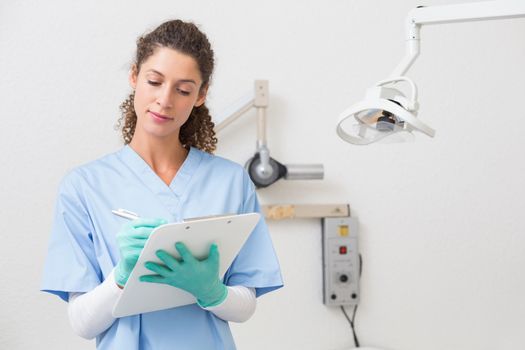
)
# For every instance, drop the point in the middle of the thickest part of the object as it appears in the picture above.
(167, 87)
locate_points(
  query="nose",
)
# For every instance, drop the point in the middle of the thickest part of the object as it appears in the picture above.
(164, 97)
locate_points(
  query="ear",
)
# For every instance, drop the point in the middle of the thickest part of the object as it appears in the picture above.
(133, 77)
(202, 96)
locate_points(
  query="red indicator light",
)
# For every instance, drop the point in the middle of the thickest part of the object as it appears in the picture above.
(342, 250)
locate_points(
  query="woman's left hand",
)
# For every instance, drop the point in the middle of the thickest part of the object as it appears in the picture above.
(198, 277)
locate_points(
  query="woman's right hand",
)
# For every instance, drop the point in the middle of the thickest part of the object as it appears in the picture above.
(131, 239)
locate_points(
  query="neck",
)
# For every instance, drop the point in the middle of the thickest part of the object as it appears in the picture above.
(162, 154)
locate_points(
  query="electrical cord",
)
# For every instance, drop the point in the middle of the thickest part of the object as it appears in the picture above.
(352, 320)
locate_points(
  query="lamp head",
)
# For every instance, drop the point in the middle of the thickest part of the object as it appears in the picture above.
(385, 114)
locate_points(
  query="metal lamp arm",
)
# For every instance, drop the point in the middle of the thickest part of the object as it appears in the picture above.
(235, 111)
(263, 169)
(259, 100)
(476, 11)
(261, 103)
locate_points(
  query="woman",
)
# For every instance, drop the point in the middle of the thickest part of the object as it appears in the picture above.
(165, 172)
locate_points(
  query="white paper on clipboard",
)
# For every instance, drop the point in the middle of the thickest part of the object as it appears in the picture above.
(228, 232)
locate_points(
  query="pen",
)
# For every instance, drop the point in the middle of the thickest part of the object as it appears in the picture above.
(125, 214)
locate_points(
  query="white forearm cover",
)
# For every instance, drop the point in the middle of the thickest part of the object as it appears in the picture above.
(238, 306)
(90, 313)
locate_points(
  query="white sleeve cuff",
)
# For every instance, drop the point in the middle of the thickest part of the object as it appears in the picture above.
(238, 306)
(91, 313)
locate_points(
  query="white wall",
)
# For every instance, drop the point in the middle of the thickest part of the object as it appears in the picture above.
(441, 227)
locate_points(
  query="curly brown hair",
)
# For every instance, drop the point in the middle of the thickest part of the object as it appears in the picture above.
(186, 38)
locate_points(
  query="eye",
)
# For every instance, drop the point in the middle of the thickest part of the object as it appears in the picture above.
(154, 83)
(183, 92)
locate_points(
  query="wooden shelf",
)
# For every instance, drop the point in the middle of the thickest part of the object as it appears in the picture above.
(303, 211)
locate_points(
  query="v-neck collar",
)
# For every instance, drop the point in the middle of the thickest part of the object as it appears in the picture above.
(167, 194)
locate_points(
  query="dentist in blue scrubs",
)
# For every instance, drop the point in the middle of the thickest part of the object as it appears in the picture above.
(165, 172)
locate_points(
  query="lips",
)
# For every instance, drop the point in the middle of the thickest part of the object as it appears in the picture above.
(160, 116)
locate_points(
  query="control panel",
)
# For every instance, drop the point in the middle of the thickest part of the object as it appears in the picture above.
(340, 261)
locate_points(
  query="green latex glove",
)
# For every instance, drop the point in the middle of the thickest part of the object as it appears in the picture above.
(198, 277)
(131, 239)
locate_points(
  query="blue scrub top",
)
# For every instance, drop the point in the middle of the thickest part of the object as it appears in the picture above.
(83, 249)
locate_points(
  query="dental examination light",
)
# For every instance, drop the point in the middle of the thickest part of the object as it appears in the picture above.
(386, 113)
(263, 169)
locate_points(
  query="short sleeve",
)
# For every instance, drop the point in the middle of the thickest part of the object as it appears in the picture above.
(256, 265)
(71, 264)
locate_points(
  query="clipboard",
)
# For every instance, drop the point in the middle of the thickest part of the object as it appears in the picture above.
(229, 232)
